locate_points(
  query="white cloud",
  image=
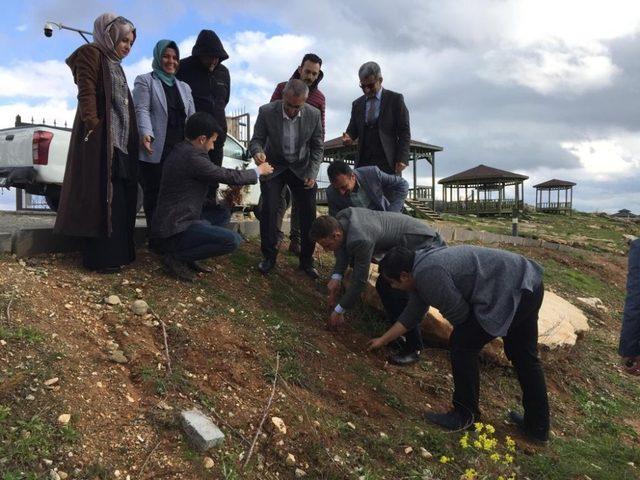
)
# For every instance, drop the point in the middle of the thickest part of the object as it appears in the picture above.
(55, 109)
(552, 68)
(607, 158)
(28, 79)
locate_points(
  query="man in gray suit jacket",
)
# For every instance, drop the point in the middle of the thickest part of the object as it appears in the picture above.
(288, 133)
(367, 187)
(485, 293)
(360, 234)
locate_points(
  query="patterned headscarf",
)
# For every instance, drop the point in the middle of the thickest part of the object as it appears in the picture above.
(158, 50)
(108, 30)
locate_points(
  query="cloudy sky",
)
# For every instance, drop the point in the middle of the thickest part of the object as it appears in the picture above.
(550, 89)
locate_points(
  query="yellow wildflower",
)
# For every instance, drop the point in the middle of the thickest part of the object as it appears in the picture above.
(490, 429)
(508, 458)
(478, 426)
(495, 457)
(445, 459)
(469, 474)
(511, 444)
(464, 441)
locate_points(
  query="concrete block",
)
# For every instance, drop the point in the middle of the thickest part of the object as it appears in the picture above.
(32, 241)
(5, 242)
(250, 228)
(446, 233)
(202, 432)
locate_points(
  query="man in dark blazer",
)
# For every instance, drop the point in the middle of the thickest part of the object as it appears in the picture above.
(484, 293)
(379, 123)
(361, 235)
(288, 133)
(366, 187)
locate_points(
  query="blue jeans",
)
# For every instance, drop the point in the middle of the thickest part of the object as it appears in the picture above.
(217, 215)
(630, 334)
(200, 241)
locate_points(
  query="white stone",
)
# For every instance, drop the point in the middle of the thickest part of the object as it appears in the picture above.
(408, 450)
(51, 381)
(290, 461)
(425, 453)
(112, 300)
(300, 473)
(279, 424)
(594, 302)
(200, 429)
(559, 322)
(199, 299)
(208, 463)
(139, 307)
(64, 418)
(63, 475)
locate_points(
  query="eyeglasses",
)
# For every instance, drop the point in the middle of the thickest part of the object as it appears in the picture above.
(368, 86)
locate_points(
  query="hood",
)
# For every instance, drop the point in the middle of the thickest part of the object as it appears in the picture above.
(208, 43)
(314, 85)
(73, 58)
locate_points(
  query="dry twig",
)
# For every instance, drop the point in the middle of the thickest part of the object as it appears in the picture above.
(8, 312)
(266, 411)
(164, 334)
(148, 457)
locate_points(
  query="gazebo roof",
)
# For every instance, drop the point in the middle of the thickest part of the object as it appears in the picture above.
(555, 183)
(335, 144)
(482, 174)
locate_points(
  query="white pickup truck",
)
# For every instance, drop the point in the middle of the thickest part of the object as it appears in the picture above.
(33, 157)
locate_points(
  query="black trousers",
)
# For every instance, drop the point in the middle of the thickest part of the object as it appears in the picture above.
(394, 301)
(521, 348)
(150, 176)
(118, 249)
(271, 191)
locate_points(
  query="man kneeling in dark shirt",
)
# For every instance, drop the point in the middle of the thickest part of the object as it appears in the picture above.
(179, 232)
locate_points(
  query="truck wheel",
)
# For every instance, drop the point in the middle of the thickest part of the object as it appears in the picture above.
(52, 197)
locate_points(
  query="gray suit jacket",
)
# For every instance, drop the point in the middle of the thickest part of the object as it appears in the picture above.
(151, 111)
(468, 280)
(267, 138)
(368, 233)
(386, 192)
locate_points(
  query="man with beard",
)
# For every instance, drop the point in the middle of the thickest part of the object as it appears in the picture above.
(310, 73)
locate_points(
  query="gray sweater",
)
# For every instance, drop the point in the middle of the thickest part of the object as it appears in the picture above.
(467, 280)
(369, 233)
(186, 176)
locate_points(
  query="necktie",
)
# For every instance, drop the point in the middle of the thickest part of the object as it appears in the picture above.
(371, 114)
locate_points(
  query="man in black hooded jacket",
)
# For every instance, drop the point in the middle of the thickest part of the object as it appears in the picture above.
(210, 84)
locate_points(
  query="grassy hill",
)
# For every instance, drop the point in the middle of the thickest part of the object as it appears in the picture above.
(348, 414)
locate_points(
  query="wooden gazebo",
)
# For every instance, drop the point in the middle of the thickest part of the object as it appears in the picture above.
(335, 150)
(482, 190)
(554, 185)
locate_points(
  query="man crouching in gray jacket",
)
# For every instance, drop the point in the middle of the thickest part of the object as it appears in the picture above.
(484, 293)
(177, 229)
(362, 235)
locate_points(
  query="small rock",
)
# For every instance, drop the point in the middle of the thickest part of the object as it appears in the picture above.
(232, 310)
(290, 461)
(112, 300)
(139, 307)
(351, 425)
(208, 462)
(116, 473)
(63, 475)
(300, 473)
(199, 300)
(47, 462)
(64, 419)
(424, 453)
(68, 306)
(53, 475)
(51, 381)
(279, 423)
(118, 356)
(162, 405)
(408, 450)
(384, 435)
(30, 397)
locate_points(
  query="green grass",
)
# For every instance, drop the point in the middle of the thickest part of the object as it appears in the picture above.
(28, 335)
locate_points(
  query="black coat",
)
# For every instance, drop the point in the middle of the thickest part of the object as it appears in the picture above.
(210, 90)
(393, 126)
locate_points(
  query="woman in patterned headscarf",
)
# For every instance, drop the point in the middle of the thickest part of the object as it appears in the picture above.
(99, 192)
(163, 103)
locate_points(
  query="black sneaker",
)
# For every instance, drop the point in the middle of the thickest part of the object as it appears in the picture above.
(452, 420)
(198, 266)
(178, 268)
(404, 358)
(536, 437)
